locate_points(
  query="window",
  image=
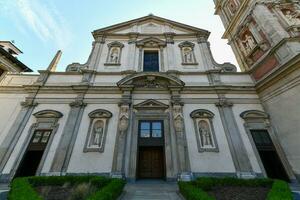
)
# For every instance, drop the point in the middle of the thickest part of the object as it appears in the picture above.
(151, 129)
(205, 134)
(41, 137)
(151, 61)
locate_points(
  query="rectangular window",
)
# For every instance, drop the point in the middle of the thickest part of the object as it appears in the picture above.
(151, 129)
(151, 61)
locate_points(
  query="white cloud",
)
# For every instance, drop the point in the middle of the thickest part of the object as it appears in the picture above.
(43, 19)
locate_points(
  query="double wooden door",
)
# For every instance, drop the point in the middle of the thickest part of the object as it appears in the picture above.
(151, 162)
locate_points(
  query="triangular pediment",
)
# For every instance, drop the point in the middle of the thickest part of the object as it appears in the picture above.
(151, 42)
(151, 24)
(151, 104)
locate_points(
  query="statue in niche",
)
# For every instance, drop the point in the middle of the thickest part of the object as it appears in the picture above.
(292, 17)
(124, 118)
(97, 134)
(205, 134)
(114, 55)
(178, 118)
(249, 43)
(187, 55)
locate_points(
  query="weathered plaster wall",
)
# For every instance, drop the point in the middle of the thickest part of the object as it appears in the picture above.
(94, 162)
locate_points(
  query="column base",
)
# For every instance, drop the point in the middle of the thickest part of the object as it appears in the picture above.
(246, 175)
(118, 175)
(185, 176)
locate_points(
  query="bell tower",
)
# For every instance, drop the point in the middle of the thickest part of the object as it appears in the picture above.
(265, 38)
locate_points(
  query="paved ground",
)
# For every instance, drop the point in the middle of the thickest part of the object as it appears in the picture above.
(151, 190)
(296, 191)
(3, 192)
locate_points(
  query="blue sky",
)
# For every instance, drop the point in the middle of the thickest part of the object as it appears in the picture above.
(41, 27)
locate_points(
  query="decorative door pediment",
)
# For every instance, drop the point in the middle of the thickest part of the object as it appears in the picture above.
(151, 42)
(151, 104)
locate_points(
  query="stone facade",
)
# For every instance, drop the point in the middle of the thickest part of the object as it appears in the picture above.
(271, 55)
(94, 109)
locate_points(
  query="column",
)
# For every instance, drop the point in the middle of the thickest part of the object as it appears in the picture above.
(140, 64)
(65, 147)
(14, 133)
(180, 135)
(235, 142)
(118, 170)
(161, 52)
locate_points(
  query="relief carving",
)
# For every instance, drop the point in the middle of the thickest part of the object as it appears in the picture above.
(124, 118)
(292, 17)
(178, 118)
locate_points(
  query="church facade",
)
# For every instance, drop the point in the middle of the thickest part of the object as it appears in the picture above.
(150, 102)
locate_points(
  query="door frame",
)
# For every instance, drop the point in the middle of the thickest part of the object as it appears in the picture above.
(45, 120)
(169, 146)
(156, 143)
(277, 146)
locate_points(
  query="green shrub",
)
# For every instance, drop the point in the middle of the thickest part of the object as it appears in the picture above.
(206, 183)
(280, 191)
(196, 190)
(110, 192)
(86, 187)
(191, 192)
(22, 190)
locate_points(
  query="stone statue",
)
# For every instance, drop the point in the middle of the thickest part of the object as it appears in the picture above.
(205, 134)
(188, 55)
(249, 43)
(178, 118)
(114, 55)
(292, 18)
(98, 133)
(124, 118)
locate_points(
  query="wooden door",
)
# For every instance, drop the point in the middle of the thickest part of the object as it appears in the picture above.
(151, 162)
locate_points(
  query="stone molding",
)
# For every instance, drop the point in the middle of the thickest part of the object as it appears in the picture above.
(95, 116)
(150, 104)
(151, 42)
(45, 119)
(206, 115)
(150, 79)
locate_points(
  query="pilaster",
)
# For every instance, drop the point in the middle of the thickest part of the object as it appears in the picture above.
(15, 132)
(235, 142)
(64, 150)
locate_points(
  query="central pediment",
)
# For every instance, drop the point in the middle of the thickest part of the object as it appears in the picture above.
(151, 24)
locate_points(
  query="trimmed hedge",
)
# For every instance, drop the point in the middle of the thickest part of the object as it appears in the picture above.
(112, 191)
(191, 192)
(196, 190)
(22, 188)
(280, 191)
